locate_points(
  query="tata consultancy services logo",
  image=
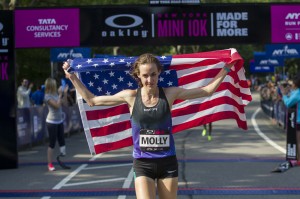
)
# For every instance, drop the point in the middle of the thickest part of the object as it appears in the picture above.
(124, 25)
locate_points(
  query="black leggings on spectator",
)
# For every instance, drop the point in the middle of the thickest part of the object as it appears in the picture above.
(56, 131)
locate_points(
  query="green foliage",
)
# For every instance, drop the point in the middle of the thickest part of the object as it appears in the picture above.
(33, 64)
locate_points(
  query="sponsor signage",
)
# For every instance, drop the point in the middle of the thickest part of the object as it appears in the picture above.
(174, 2)
(115, 26)
(196, 25)
(261, 59)
(62, 54)
(8, 133)
(226, 23)
(291, 132)
(261, 69)
(283, 50)
(285, 20)
(47, 28)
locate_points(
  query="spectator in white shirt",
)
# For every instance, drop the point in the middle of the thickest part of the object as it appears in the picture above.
(23, 93)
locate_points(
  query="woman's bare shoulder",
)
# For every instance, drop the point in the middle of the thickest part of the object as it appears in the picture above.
(172, 89)
(172, 92)
(128, 92)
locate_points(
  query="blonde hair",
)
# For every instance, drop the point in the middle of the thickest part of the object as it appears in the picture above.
(50, 86)
(146, 58)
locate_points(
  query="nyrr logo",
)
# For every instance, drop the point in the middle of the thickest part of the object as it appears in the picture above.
(72, 54)
(292, 16)
(285, 51)
(269, 61)
(124, 25)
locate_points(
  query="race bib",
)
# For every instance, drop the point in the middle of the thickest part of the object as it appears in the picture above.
(154, 140)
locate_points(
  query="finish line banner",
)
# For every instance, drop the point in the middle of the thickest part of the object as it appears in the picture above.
(142, 25)
(188, 25)
(225, 23)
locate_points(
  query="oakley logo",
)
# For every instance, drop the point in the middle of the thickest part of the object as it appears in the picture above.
(112, 21)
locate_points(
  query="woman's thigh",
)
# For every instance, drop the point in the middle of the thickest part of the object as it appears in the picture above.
(167, 188)
(145, 187)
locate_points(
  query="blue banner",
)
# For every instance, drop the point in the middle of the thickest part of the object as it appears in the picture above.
(38, 125)
(283, 50)
(261, 69)
(262, 59)
(62, 54)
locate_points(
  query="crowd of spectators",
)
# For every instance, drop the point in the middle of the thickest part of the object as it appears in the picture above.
(27, 98)
(271, 97)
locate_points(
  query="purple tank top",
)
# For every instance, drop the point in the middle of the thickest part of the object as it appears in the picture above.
(152, 128)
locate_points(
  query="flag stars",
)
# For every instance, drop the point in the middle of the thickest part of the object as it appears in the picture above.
(114, 86)
(96, 76)
(112, 74)
(163, 57)
(130, 84)
(107, 93)
(89, 61)
(91, 84)
(122, 60)
(161, 79)
(79, 66)
(99, 88)
(87, 72)
(105, 60)
(120, 79)
(168, 72)
(128, 64)
(105, 81)
(112, 64)
(170, 83)
(127, 72)
(95, 65)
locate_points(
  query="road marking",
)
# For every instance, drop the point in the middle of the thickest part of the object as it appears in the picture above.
(127, 183)
(102, 193)
(108, 166)
(93, 182)
(261, 134)
(71, 175)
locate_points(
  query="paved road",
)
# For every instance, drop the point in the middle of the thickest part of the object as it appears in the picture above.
(235, 164)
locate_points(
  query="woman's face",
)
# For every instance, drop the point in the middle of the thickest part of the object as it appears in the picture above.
(149, 75)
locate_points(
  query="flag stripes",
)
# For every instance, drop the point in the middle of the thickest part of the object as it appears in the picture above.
(108, 127)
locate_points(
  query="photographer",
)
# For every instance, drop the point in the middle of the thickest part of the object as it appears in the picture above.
(291, 97)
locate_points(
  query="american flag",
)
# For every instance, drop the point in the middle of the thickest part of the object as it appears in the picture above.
(108, 127)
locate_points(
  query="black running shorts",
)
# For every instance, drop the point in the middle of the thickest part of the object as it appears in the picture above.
(156, 168)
